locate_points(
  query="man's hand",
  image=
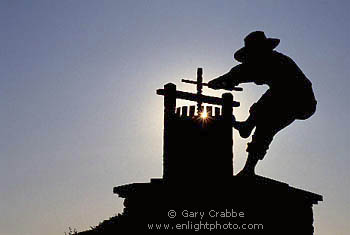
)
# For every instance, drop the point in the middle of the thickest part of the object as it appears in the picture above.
(216, 85)
(221, 83)
(237, 75)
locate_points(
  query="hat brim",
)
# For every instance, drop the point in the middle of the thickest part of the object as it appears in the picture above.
(271, 43)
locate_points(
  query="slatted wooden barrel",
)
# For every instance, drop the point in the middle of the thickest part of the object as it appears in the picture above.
(197, 147)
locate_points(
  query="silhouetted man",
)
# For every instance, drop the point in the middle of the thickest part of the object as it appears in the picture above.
(289, 97)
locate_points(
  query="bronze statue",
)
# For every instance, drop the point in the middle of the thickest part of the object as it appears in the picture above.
(289, 97)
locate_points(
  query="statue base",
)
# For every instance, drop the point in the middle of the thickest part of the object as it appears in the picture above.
(238, 205)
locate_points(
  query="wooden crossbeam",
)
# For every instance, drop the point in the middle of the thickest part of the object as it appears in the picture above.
(195, 97)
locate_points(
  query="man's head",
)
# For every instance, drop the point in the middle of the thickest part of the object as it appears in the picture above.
(256, 47)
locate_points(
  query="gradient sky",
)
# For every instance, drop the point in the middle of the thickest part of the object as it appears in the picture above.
(79, 114)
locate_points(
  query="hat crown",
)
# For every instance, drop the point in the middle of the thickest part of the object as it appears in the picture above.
(256, 43)
(255, 39)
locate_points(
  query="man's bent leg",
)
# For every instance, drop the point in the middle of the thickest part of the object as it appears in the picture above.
(256, 112)
(261, 141)
(256, 149)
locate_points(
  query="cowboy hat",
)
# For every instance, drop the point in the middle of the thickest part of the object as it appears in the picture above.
(255, 41)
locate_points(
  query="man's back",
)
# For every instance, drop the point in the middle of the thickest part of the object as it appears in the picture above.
(279, 72)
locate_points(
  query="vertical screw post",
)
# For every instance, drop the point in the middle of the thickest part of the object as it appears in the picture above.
(168, 141)
(227, 99)
(199, 89)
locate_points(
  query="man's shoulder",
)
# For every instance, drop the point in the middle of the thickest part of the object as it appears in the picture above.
(281, 57)
(283, 60)
(289, 68)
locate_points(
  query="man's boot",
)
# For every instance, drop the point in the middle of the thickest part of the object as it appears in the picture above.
(244, 128)
(249, 167)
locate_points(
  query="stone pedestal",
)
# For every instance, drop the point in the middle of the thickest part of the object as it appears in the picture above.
(239, 205)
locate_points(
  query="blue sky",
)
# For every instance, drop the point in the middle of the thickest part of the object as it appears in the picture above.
(80, 115)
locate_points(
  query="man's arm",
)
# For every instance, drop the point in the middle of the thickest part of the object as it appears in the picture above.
(238, 74)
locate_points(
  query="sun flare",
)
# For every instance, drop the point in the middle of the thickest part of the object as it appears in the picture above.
(204, 115)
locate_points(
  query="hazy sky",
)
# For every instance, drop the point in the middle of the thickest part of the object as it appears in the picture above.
(79, 114)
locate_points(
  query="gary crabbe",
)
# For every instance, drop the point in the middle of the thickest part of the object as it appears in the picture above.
(213, 214)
